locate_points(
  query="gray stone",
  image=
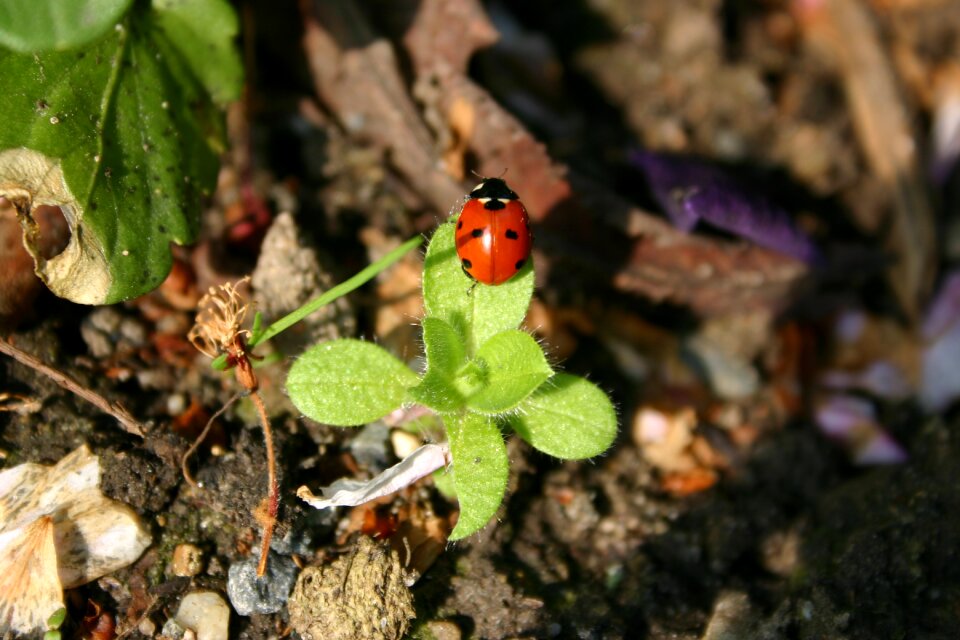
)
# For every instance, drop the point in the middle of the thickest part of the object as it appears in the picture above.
(250, 594)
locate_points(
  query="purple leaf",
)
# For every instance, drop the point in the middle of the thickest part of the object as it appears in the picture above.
(690, 191)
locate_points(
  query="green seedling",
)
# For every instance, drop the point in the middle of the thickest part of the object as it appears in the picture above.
(54, 622)
(483, 376)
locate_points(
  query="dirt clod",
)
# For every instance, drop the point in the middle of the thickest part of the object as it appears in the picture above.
(361, 596)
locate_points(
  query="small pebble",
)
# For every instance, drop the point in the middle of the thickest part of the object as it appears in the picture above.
(187, 560)
(250, 594)
(147, 627)
(444, 630)
(206, 614)
(369, 447)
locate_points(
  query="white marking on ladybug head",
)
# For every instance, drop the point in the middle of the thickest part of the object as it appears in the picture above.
(483, 200)
(479, 186)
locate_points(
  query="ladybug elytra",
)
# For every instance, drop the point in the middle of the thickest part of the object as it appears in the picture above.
(493, 233)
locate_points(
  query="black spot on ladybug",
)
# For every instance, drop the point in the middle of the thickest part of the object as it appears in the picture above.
(520, 264)
(494, 205)
(476, 233)
(459, 225)
(512, 235)
(466, 264)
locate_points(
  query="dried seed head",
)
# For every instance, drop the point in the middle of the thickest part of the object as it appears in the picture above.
(222, 312)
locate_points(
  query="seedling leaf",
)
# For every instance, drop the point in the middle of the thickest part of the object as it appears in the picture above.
(476, 311)
(443, 346)
(479, 471)
(348, 382)
(514, 366)
(569, 417)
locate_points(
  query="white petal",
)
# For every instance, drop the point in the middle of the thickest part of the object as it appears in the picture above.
(350, 493)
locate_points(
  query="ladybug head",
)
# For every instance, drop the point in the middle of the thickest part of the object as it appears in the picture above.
(493, 188)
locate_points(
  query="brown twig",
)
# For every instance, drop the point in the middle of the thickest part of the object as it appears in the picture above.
(268, 519)
(184, 466)
(127, 422)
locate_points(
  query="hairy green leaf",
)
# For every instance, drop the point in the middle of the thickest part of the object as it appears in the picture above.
(443, 346)
(475, 311)
(514, 366)
(30, 26)
(437, 392)
(119, 135)
(568, 417)
(348, 382)
(480, 468)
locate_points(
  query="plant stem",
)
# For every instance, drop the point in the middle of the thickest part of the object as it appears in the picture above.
(332, 294)
(185, 462)
(273, 491)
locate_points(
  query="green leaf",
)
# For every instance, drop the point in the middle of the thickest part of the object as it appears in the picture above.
(514, 366)
(119, 135)
(438, 393)
(203, 32)
(479, 471)
(31, 26)
(443, 346)
(56, 618)
(353, 282)
(348, 382)
(568, 417)
(476, 311)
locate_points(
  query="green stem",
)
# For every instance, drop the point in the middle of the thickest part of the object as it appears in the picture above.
(341, 289)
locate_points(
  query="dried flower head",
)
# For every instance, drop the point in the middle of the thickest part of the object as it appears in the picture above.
(219, 321)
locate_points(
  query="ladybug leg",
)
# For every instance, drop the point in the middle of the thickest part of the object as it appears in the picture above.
(472, 287)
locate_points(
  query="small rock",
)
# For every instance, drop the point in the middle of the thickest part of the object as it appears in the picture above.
(733, 618)
(369, 447)
(250, 594)
(147, 627)
(444, 630)
(172, 630)
(290, 272)
(187, 560)
(98, 330)
(361, 596)
(206, 614)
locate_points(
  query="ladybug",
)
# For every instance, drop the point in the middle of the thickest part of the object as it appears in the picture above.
(493, 233)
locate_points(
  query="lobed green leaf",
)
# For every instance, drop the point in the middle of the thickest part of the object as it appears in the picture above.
(480, 469)
(569, 417)
(514, 366)
(121, 135)
(475, 311)
(348, 382)
(203, 32)
(31, 26)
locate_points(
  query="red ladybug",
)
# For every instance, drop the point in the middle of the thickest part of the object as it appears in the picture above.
(493, 233)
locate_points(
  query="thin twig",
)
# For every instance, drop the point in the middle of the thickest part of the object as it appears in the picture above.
(127, 422)
(273, 492)
(184, 466)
